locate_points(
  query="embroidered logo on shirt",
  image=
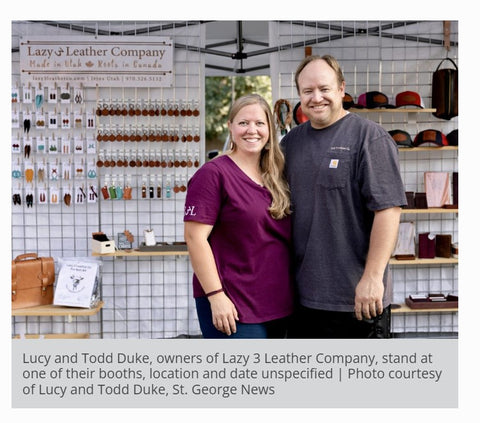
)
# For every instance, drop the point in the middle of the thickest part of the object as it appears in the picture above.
(190, 211)
(333, 164)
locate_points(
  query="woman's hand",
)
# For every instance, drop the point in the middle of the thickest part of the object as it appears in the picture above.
(224, 313)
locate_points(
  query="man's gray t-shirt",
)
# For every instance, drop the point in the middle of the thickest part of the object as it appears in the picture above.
(338, 177)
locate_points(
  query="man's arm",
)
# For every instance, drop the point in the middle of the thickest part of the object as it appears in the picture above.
(383, 237)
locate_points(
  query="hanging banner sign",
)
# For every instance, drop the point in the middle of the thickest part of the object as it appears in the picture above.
(97, 61)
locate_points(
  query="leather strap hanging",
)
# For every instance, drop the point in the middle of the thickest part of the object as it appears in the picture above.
(446, 35)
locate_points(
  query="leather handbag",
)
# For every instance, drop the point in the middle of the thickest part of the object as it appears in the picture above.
(445, 91)
(32, 281)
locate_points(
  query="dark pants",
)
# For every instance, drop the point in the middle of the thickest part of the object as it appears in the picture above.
(311, 323)
(273, 329)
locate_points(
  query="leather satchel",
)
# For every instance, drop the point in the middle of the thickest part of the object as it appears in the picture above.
(445, 91)
(32, 281)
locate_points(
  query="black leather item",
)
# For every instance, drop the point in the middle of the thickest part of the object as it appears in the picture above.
(426, 245)
(380, 328)
(443, 245)
(421, 200)
(455, 188)
(445, 91)
(410, 200)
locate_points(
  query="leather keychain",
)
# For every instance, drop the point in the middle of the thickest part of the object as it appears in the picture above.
(105, 194)
(127, 193)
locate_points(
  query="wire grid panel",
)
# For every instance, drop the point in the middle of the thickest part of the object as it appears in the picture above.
(390, 57)
(385, 56)
(149, 297)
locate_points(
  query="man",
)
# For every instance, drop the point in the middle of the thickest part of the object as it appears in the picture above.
(347, 195)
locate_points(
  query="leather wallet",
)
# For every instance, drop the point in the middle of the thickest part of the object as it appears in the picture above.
(455, 188)
(410, 200)
(426, 245)
(421, 200)
(443, 246)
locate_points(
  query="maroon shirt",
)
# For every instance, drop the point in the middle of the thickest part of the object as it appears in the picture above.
(251, 249)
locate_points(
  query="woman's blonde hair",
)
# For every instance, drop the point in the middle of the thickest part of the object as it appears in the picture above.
(272, 161)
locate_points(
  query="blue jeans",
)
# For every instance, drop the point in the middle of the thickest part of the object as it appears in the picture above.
(272, 329)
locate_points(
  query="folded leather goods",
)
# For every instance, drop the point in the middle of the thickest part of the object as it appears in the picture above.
(421, 200)
(437, 188)
(455, 188)
(410, 200)
(443, 245)
(32, 280)
(426, 245)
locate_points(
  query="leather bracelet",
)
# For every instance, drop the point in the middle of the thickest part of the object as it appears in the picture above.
(214, 292)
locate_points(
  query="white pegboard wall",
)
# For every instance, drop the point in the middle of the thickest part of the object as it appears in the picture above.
(390, 57)
(144, 297)
(150, 297)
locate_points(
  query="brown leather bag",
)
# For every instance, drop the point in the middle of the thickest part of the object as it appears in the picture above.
(32, 280)
(445, 91)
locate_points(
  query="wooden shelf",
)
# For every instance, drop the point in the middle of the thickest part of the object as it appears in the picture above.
(384, 110)
(53, 310)
(136, 253)
(420, 261)
(404, 309)
(430, 210)
(53, 336)
(415, 149)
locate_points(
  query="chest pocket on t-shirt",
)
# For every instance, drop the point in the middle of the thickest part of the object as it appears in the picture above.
(333, 171)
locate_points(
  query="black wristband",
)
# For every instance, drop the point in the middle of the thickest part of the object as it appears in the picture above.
(214, 292)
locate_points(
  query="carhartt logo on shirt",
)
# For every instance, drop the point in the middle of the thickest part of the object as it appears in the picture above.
(333, 164)
(190, 211)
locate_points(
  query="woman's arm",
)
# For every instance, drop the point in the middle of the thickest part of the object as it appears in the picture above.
(224, 313)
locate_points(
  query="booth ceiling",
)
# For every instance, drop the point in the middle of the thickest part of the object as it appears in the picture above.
(242, 47)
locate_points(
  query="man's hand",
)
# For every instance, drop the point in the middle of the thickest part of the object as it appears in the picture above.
(368, 298)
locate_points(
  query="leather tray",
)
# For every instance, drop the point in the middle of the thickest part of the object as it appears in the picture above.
(451, 302)
(163, 246)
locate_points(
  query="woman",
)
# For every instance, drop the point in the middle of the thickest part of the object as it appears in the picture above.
(237, 228)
